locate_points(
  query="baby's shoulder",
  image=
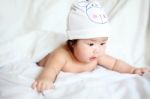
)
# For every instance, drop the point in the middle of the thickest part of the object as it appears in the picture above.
(61, 51)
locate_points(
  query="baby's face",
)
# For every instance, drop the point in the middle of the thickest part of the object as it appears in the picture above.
(88, 50)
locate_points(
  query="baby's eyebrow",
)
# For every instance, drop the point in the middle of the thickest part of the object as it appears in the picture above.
(93, 40)
(105, 39)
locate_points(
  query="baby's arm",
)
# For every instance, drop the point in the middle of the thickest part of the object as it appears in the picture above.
(53, 66)
(120, 66)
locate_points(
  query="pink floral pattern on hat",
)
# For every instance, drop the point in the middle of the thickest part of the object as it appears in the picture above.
(94, 11)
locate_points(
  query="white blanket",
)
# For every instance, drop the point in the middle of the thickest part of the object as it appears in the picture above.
(30, 29)
(16, 80)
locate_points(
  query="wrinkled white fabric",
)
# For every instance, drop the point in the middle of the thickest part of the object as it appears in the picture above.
(16, 82)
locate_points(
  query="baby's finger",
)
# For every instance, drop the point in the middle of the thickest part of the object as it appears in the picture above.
(139, 72)
(38, 86)
(43, 87)
(34, 85)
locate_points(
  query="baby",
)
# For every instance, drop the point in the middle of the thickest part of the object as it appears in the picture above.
(88, 32)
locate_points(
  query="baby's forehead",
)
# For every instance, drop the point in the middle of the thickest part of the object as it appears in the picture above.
(99, 39)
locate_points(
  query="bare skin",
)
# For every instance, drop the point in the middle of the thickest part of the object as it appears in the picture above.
(87, 54)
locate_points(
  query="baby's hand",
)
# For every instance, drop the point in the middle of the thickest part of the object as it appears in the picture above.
(141, 71)
(42, 84)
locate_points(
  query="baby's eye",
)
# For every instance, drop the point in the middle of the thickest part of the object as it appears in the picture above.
(91, 44)
(102, 43)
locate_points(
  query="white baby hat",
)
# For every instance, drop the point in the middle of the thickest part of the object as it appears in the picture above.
(87, 19)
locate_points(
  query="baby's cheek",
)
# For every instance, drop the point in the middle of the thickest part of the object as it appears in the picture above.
(102, 52)
(102, 49)
(84, 54)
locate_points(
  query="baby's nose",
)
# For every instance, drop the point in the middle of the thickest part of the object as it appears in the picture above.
(97, 50)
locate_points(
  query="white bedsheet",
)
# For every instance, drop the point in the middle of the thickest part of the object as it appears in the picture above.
(16, 80)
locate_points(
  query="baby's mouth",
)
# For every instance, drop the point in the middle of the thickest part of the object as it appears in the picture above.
(92, 58)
